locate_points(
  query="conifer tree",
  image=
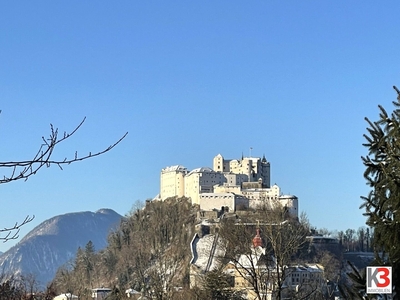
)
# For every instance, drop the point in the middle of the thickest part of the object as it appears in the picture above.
(89, 255)
(383, 176)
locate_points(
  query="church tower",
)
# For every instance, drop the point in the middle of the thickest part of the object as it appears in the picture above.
(257, 240)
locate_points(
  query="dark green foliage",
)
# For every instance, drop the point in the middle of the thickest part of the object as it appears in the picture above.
(383, 176)
(355, 288)
(218, 286)
(11, 290)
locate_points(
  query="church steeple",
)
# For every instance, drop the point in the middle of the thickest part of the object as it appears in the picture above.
(257, 240)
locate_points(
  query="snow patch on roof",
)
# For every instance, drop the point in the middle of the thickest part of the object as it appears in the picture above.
(202, 170)
(174, 168)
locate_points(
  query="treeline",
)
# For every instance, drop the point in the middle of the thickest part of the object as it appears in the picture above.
(24, 287)
(351, 240)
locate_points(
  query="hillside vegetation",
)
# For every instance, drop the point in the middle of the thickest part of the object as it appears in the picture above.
(150, 253)
(150, 248)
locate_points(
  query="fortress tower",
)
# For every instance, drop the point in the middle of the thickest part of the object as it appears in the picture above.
(172, 181)
(254, 168)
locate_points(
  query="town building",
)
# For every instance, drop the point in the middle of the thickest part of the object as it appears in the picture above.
(100, 293)
(306, 279)
(255, 265)
(323, 243)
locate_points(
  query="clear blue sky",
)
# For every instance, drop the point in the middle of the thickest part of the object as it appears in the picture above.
(188, 80)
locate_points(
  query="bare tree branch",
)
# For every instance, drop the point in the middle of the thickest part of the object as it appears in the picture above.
(12, 233)
(26, 168)
(44, 157)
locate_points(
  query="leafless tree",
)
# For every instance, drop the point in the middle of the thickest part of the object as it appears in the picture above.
(12, 233)
(23, 169)
(282, 237)
(30, 285)
(10, 287)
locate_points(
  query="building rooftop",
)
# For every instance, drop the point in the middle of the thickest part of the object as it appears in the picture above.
(174, 168)
(201, 170)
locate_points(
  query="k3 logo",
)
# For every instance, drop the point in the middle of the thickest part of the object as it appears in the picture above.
(379, 280)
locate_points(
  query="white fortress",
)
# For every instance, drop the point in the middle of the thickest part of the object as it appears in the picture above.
(230, 184)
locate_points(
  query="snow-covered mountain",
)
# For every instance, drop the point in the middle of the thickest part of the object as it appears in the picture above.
(55, 241)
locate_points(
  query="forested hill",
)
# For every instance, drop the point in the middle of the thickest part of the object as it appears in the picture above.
(150, 246)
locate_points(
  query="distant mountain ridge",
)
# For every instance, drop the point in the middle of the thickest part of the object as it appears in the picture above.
(55, 241)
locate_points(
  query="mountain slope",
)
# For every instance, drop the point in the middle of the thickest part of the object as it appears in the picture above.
(55, 241)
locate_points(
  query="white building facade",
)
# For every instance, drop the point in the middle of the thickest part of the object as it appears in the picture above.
(230, 183)
(253, 167)
(172, 181)
(201, 180)
(222, 201)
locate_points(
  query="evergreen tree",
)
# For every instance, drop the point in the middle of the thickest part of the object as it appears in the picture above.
(89, 255)
(383, 176)
(219, 286)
